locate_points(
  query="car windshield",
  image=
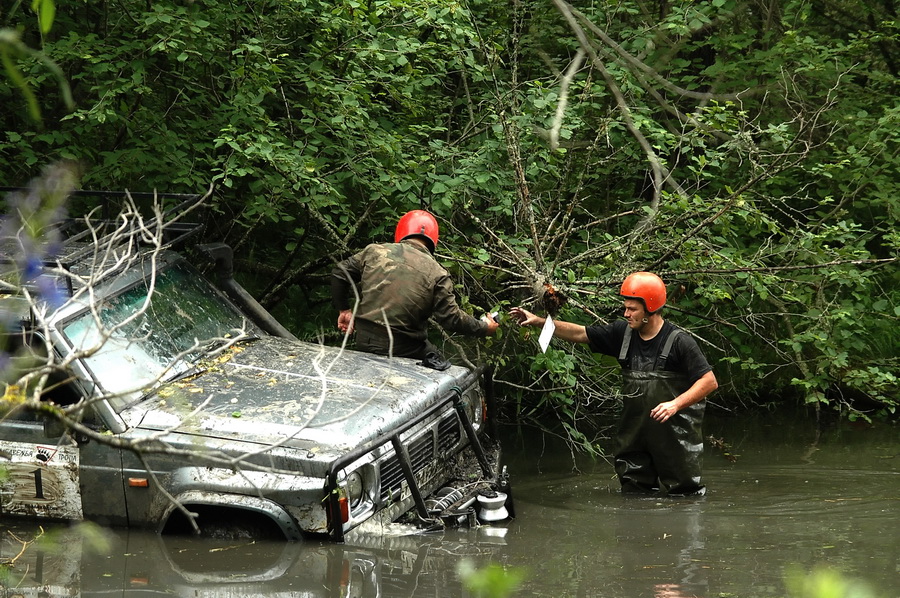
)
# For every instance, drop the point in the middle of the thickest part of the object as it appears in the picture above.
(184, 319)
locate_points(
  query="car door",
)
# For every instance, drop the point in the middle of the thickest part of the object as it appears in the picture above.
(48, 472)
(39, 475)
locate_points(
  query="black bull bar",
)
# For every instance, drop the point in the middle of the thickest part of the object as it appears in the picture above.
(333, 507)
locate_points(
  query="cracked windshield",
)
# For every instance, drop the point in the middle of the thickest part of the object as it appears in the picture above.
(184, 318)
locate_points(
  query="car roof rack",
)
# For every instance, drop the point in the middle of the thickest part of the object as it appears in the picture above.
(175, 233)
(78, 242)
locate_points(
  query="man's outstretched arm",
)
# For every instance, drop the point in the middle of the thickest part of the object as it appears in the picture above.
(567, 331)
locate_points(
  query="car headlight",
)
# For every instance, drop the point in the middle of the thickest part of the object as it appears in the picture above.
(353, 489)
(474, 408)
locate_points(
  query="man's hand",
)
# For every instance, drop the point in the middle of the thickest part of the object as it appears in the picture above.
(492, 324)
(525, 317)
(698, 391)
(345, 321)
(664, 411)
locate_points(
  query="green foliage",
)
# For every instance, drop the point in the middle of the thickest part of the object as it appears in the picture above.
(491, 581)
(12, 48)
(825, 583)
(747, 155)
(93, 538)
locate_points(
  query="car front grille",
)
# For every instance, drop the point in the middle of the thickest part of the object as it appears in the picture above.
(448, 433)
(422, 452)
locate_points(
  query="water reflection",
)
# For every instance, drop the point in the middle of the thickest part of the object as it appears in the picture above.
(670, 542)
(66, 562)
(670, 590)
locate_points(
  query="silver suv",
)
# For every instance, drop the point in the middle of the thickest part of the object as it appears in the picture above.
(197, 411)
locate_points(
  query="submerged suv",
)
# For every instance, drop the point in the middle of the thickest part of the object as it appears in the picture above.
(187, 407)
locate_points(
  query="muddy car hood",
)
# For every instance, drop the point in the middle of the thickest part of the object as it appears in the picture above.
(271, 390)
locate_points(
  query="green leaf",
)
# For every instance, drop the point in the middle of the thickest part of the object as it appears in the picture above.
(46, 11)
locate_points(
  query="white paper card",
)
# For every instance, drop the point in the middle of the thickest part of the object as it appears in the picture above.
(546, 334)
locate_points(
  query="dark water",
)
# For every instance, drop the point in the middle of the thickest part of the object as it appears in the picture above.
(794, 496)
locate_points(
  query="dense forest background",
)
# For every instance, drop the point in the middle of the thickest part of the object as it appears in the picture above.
(745, 150)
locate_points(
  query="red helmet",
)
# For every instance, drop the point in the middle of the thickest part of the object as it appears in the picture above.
(418, 223)
(647, 287)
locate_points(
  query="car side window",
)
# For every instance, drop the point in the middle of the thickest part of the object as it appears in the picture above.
(28, 350)
(60, 389)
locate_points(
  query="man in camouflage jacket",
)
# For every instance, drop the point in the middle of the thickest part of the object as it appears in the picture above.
(400, 286)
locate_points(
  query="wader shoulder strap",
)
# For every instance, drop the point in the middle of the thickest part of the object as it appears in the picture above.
(667, 347)
(626, 342)
(663, 355)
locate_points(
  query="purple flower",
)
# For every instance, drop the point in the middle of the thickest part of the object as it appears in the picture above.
(49, 291)
(28, 232)
(32, 268)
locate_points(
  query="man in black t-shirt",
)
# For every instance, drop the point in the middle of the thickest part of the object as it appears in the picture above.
(666, 379)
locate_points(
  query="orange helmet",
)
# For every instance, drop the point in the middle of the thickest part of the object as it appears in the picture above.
(418, 223)
(647, 287)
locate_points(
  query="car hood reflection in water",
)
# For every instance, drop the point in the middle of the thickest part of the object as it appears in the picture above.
(69, 562)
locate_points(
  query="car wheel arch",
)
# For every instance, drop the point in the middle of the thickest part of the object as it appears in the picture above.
(216, 513)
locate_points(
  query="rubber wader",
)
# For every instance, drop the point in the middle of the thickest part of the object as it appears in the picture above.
(650, 453)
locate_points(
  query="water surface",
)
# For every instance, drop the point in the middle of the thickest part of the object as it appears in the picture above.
(792, 494)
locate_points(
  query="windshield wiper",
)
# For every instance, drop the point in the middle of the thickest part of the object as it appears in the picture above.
(180, 375)
(215, 347)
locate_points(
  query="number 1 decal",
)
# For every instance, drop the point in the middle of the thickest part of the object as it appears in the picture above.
(39, 481)
(38, 489)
